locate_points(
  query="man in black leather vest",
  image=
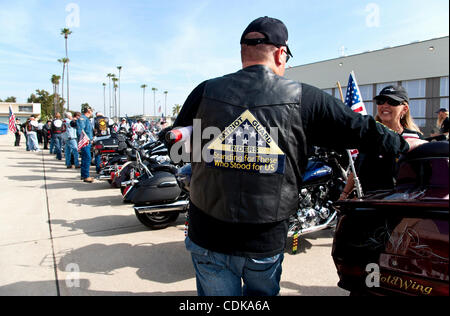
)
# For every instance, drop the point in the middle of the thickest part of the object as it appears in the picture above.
(244, 191)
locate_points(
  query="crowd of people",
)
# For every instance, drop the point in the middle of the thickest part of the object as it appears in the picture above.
(62, 136)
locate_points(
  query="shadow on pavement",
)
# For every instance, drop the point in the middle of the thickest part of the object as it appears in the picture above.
(113, 225)
(104, 226)
(37, 289)
(163, 263)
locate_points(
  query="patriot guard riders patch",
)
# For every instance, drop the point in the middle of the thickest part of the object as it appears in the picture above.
(246, 145)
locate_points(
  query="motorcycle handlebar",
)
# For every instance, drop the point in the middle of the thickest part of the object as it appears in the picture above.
(178, 135)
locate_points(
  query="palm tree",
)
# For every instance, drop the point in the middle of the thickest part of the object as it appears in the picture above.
(120, 69)
(176, 109)
(143, 99)
(64, 61)
(115, 100)
(55, 81)
(104, 98)
(110, 75)
(154, 99)
(66, 32)
(165, 102)
(115, 86)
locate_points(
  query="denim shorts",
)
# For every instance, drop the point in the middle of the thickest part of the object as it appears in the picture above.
(219, 274)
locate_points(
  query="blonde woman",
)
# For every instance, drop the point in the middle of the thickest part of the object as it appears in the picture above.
(377, 172)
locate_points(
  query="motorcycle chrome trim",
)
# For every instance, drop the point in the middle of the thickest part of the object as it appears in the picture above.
(130, 182)
(314, 228)
(168, 184)
(179, 206)
(103, 177)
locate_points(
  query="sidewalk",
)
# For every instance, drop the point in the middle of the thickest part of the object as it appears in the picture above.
(96, 246)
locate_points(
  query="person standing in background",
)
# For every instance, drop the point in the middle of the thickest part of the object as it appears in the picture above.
(17, 133)
(71, 146)
(84, 125)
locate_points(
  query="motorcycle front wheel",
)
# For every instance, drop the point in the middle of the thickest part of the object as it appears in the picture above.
(157, 220)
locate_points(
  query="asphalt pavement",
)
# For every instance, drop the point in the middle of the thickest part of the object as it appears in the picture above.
(61, 236)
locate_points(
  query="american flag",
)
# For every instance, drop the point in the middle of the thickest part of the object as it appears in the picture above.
(354, 98)
(12, 121)
(355, 102)
(84, 141)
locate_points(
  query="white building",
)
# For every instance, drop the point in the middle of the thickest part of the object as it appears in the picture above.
(421, 67)
(21, 110)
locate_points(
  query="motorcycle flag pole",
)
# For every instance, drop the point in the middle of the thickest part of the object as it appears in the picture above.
(358, 187)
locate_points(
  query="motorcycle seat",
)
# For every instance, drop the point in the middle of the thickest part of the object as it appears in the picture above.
(168, 168)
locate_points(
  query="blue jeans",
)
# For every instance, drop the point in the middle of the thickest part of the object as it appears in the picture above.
(57, 140)
(98, 160)
(32, 141)
(85, 161)
(52, 145)
(71, 149)
(218, 274)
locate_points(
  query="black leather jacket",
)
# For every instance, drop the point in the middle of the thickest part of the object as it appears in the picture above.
(303, 115)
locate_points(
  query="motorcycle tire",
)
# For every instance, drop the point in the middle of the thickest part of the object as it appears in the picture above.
(157, 220)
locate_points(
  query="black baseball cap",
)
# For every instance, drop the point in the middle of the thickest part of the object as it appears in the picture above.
(442, 110)
(397, 93)
(274, 30)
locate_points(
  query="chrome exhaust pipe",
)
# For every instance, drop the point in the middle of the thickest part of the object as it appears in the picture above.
(179, 206)
(314, 228)
(104, 177)
(130, 182)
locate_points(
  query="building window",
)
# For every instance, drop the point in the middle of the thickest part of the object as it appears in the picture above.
(381, 86)
(418, 109)
(369, 108)
(444, 92)
(444, 103)
(444, 87)
(366, 92)
(26, 108)
(415, 88)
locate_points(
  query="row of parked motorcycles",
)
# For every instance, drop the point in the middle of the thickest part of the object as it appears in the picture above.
(159, 188)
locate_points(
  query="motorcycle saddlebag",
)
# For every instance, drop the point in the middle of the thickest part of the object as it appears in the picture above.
(399, 238)
(162, 187)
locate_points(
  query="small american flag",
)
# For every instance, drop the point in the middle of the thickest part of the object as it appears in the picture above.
(12, 121)
(84, 141)
(354, 98)
(355, 102)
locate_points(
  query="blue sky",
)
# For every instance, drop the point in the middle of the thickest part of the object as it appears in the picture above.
(174, 45)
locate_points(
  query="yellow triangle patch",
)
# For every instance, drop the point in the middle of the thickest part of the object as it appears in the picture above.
(246, 134)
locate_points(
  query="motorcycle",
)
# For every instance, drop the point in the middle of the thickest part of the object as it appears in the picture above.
(396, 242)
(161, 191)
(323, 182)
(112, 149)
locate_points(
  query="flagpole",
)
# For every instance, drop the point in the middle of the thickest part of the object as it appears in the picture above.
(358, 187)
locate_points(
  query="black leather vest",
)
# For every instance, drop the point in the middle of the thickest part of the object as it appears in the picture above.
(244, 106)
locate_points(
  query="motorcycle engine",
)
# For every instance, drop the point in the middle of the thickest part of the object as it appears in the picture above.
(314, 207)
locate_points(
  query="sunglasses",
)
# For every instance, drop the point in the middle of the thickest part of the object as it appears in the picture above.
(287, 55)
(391, 102)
